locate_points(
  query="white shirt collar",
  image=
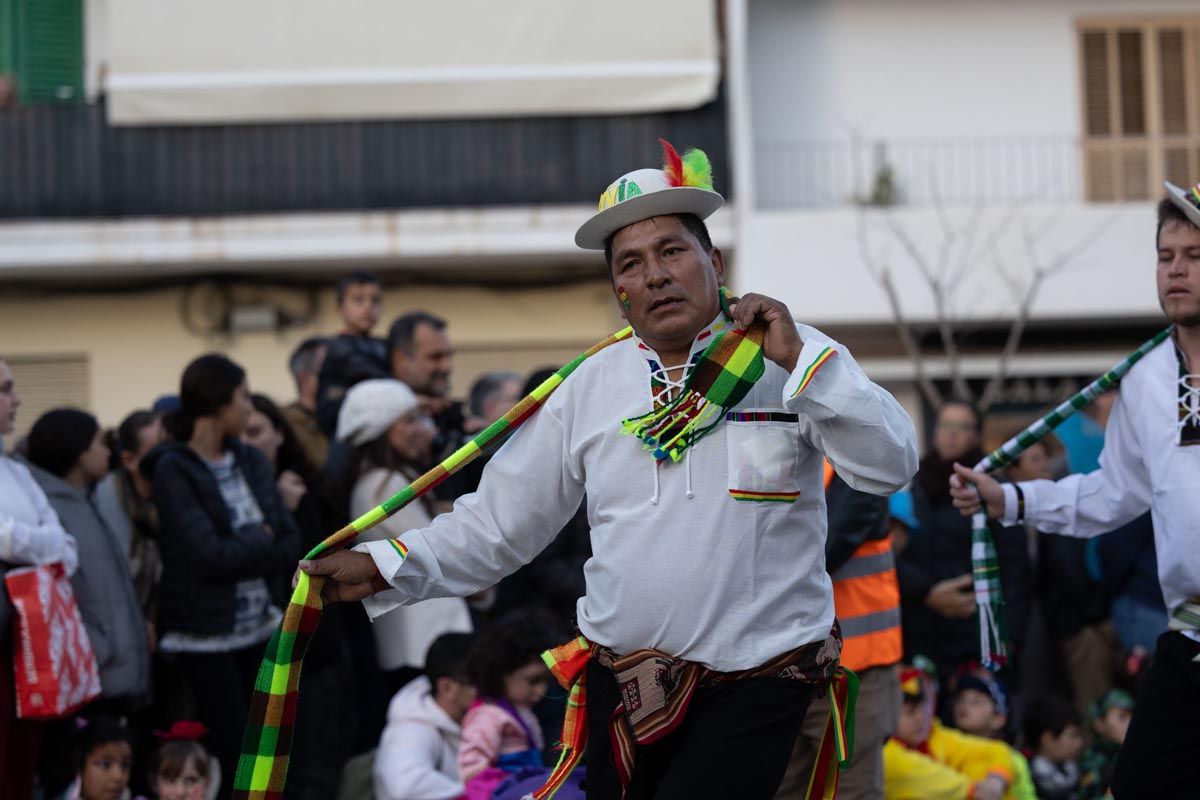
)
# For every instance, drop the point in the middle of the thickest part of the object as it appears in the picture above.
(703, 339)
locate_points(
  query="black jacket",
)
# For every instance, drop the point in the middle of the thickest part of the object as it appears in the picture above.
(203, 556)
(1069, 598)
(348, 360)
(941, 550)
(854, 518)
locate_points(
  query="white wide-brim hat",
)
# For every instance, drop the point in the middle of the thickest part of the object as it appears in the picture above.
(371, 407)
(1187, 200)
(683, 187)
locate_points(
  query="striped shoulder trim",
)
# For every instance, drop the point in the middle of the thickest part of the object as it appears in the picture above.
(813, 368)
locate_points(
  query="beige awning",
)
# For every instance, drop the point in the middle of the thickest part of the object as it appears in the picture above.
(220, 61)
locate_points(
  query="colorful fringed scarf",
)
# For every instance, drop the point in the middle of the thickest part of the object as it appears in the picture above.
(262, 768)
(724, 374)
(664, 686)
(984, 563)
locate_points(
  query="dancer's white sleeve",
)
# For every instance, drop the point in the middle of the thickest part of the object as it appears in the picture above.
(858, 425)
(529, 490)
(1090, 504)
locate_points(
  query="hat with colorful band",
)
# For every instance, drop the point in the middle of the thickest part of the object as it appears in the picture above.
(1188, 201)
(682, 186)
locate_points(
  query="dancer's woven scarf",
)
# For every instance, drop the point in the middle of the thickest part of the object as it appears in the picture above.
(984, 564)
(262, 768)
(723, 375)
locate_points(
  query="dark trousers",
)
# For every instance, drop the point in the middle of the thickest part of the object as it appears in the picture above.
(221, 685)
(1161, 754)
(20, 739)
(734, 741)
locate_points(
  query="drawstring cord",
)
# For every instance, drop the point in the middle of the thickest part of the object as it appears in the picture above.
(688, 459)
(662, 376)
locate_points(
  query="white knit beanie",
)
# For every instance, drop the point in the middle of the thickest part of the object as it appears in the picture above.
(371, 407)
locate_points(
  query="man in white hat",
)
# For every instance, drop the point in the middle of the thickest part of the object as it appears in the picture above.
(709, 613)
(1151, 460)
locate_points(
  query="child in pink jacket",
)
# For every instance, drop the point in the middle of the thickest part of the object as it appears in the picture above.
(500, 734)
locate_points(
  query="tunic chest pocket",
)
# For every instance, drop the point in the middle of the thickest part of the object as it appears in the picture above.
(763, 448)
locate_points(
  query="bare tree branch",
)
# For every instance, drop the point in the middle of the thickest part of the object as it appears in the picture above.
(944, 324)
(1024, 307)
(908, 341)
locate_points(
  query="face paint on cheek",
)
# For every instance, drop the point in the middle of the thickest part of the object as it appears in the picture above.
(623, 297)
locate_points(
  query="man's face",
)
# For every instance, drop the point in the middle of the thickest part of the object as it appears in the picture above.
(360, 307)
(669, 279)
(427, 368)
(1178, 274)
(504, 398)
(954, 433)
(9, 400)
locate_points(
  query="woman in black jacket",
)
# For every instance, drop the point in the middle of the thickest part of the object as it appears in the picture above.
(225, 533)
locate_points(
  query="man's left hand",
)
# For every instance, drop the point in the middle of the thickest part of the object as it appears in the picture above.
(782, 343)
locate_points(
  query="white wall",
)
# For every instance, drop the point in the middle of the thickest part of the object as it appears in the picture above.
(823, 68)
(999, 81)
(812, 261)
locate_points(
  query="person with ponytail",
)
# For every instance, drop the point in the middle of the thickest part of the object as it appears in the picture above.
(225, 533)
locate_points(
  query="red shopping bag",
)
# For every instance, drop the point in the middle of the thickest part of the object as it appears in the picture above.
(54, 667)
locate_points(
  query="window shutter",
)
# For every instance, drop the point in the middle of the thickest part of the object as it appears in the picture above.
(1095, 79)
(1173, 74)
(49, 48)
(1132, 83)
(46, 382)
(1141, 106)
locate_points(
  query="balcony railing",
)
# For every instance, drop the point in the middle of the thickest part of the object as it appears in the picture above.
(814, 174)
(68, 162)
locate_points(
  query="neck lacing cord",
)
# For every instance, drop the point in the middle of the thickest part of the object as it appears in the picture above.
(662, 391)
(1189, 402)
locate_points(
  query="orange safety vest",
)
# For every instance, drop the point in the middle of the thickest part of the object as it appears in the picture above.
(866, 598)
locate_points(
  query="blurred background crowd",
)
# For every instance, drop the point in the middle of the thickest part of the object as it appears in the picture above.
(261, 265)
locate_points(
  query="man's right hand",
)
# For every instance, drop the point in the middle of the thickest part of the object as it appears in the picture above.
(967, 487)
(953, 597)
(348, 575)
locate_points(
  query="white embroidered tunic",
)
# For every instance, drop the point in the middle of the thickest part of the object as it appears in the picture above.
(718, 559)
(1143, 466)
